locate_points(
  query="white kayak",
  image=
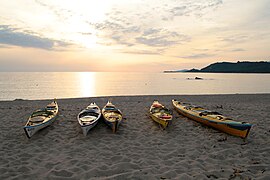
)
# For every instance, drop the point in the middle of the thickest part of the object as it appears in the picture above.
(88, 118)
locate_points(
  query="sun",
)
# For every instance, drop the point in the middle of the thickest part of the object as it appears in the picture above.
(82, 15)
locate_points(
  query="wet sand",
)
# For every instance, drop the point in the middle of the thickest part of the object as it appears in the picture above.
(140, 149)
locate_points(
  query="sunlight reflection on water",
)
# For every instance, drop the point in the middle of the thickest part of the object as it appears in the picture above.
(87, 83)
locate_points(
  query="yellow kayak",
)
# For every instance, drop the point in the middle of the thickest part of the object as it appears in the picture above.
(212, 119)
(160, 114)
(112, 116)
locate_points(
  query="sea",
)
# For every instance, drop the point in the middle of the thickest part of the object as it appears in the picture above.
(49, 85)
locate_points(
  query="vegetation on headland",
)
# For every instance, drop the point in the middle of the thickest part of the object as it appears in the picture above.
(229, 67)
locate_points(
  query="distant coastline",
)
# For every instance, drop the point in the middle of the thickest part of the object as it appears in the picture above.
(229, 67)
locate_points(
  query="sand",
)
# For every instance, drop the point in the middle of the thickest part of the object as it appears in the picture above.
(140, 149)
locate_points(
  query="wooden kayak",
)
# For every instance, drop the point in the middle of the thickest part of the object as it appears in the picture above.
(212, 119)
(112, 116)
(88, 118)
(41, 118)
(160, 114)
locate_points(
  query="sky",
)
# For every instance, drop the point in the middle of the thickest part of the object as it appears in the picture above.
(134, 35)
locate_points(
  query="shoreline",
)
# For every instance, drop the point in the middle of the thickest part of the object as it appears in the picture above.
(140, 149)
(114, 96)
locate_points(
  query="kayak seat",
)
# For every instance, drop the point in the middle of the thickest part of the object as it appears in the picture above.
(37, 119)
(157, 105)
(109, 109)
(205, 113)
(165, 117)
(155, 110)
(88, 114)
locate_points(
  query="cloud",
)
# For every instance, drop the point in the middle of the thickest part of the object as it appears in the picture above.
(4, 46)
(235, 39)
(189, 8)
(116, 32)
(159, 37)
(143, 52)
(179, 11)
(122, 26)
(111, 32)
(202, 49)
(86, 33)
(61, 13)
(12, 36)
(197, 56)
(132, 29)
(131, 35)
(237, 49)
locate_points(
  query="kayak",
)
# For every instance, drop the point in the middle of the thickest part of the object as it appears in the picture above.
(88, 118)
(212, 119)
(160, 114)
(41, 118)
(112, 116)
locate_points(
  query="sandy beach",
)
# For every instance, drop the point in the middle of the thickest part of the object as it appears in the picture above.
(140, 149)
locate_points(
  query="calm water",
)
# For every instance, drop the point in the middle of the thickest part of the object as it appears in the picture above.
(47, 85)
